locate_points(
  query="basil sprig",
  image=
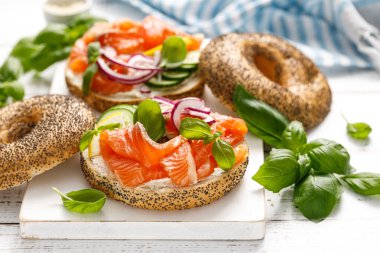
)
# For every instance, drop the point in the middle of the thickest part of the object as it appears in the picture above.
(358, 130)
(173, 50)
(89, 135)
(148, 113)
(197, 129)
(317, 169)
(83, 201)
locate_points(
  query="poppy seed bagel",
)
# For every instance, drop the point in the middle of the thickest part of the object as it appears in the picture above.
(39, 133)
(271, 70)
(190, 87)
(163, 197)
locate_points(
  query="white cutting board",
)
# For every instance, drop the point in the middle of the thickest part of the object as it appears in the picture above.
(240, 215)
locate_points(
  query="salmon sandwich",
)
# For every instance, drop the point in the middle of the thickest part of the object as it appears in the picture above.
(165, 154)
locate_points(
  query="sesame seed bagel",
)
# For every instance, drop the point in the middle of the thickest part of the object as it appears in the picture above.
(272, 70)
(162, 196)
(38, 134)
(190, 87)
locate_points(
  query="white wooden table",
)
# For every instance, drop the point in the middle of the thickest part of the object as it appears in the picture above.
(353, 227)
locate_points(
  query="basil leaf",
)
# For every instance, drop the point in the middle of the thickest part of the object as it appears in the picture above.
(86, 139)
(262, 120)
(294, 136)
(93, 52)
(195, 129)
(52, 34)
(224, 154)
(149, 114)
(83, 201)
(364, 183)
(305, 166)
(328, 156)
(279, 170)
(110, 126)
(12, 89)
(359, 130)
(48, 55)
(317, 195)
(87, 78)
(174, 50)
(11, 69)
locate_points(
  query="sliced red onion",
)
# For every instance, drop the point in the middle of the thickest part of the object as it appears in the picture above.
(205, 109)
(164, 100)
(145, 90)
(181, 105)
(208, 119)
(135, 62)
(137, 76)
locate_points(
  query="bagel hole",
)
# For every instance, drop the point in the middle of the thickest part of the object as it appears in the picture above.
(19, 128)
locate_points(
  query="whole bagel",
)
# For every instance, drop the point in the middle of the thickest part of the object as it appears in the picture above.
(270, 69)
(38, 134)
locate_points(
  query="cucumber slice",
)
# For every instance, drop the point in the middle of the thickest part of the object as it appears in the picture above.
(175, 75)
(188, 66)
(120, 115)
(131, 108)
(154, 82)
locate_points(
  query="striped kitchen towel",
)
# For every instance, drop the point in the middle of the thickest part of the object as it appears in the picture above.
(334, 33)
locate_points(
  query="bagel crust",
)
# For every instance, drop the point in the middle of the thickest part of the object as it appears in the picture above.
(165, 198)
(38, 134)
(102, 102)
(270, 69)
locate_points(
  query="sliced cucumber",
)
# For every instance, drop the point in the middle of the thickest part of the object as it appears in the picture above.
(121, 115)
(131, 108)
(188, 66)
(175, 75)
(154, 82)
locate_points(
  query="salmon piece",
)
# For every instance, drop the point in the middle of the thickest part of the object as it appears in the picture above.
(101, 84)
(155, 172)
(180, 166)
(241, 153)
(129, 172)
(79, 64)
(123, 42)
(233, 129)
(204, 161)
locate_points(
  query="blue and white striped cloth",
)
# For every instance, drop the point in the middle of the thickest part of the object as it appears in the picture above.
(334, 33)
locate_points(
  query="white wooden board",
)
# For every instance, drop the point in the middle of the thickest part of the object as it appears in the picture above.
(239, 215)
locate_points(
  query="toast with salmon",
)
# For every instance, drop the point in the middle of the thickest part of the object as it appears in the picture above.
(125, 62)
(167, 165)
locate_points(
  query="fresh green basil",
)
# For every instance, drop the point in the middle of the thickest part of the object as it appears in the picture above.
(87, 78)
(11, 69)
(48, 55)
(224, 154)
(83, 201)
(305, 166)
(12, 89)
(364, 183)
(148, 113)
(52, 34)
(280, 170)
(89, 135)
(317, 195)
(173, 50)
(328, 156)
(195, 129)
(359, 130)
(93, 52)
(294, 136)
(262, 120)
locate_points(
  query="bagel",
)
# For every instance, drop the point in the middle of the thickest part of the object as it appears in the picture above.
(164, 196)
(271, 70)
(191, 87)
(38, 134)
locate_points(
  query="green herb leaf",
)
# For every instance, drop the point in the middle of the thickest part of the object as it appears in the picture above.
(52, 34)
(83, 201)
(12, 89)
(87, 78)
(317, 195)
(110, 126)
(149, 114)
(48, 55)
(364, 183)
(359, 130)
(305, 166)
(224, 154)
(174, 50)
(93, 52)
(24, 50)
(195, 129)
(11, 70)
(86, 139)
(262, 120)
(279, 170)
(328, 156)
(294, 136)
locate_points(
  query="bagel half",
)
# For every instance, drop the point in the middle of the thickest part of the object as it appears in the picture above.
(270, 69)
(165, 196)
(190, 87)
